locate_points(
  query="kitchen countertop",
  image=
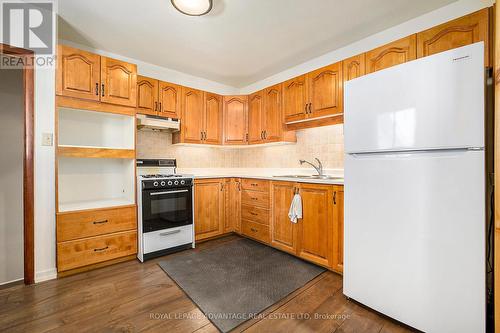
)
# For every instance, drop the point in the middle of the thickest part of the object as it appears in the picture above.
(267, 174)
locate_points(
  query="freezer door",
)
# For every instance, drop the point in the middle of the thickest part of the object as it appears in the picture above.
(415, 238)
(433, 102)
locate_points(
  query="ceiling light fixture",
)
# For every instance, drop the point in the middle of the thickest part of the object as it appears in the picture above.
(193, 7)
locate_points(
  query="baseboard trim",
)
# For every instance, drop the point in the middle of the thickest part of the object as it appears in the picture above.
(45, 275)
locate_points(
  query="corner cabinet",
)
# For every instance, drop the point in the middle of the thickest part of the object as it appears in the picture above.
(235, 120)
(85, 75)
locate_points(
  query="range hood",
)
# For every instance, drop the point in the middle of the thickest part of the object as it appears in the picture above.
(157, 123)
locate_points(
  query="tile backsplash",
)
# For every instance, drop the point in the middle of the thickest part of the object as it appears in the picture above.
(325, 143)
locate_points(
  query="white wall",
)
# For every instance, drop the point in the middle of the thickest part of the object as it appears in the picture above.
(11, 175)
(45, 103)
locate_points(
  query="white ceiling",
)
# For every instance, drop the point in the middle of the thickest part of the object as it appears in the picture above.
(240, 41)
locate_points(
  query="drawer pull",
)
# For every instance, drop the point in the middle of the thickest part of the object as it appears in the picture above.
(170, 232)
(100, 222)
(101, 249)
(254, 214)
(253, 184)
(254, 230)
(255, 198)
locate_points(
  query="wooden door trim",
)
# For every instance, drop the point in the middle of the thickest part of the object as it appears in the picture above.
(28, 164)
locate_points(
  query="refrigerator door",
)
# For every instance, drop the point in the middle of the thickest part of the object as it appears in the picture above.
(415, 237)
(434, 102)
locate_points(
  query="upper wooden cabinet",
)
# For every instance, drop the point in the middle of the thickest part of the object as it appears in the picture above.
(256, 118)
(325, 91)
(147, 95)
(158, 98)
(460, 32)
(78, 73)
(273, 116)
(395, 53)
(192, 116)
(295, 99)
(169, 100)
(209, 205)
(89, 76)
(317, 94)
(353, 67)
(235, 120)
(118, 82)
(212, 119)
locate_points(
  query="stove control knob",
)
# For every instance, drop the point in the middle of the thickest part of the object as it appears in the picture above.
(169, 182)
(155, 184)
(162, 183)
(183, 182)
(176, 182)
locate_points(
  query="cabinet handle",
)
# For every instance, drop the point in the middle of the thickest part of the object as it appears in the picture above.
(310, 105)
(335, 197)
(255, 199)
(254, 230)
(204, 135)
(102, 90)
(201, 136)
(97, 89)
(254, 214)
(239, 186)
(246, 137)
(159, 106)
(305, 108)
(254, 184)
(101, 249)
(100, 222)
(265, 134)
(156, 106)
(222, 187)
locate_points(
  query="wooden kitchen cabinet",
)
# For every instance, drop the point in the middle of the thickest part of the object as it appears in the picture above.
(235, 120)
(338, 229)
(192, 116)
(212, 119)
(232, 218)
(169, 100)
(256, 118)
(209, 206)
(325, 91)
(465, 30)
(78, 73)
(392, 54)
(118, 82)
(353, 67)
(283, 231)
(85, 75)
(295, 99)
(147, 96)
(273, 116)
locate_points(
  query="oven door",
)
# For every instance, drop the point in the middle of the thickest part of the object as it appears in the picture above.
(166, 208)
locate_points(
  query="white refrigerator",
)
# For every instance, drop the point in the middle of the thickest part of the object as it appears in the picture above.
(414, 230)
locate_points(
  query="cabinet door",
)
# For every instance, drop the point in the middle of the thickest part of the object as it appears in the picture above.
(208, 208)
(118, 82)
(255, 121)
(391, 54)
(283, 231)
(325, 91)
(235, 120)
(353, 67)
(295, 99)
(169, 100)
(232, 205)
(212, 119)
(338, 228)
(78, 73)
(192, 115)
(147, 95)
(316, 225)
(273, 118)
(460, 32)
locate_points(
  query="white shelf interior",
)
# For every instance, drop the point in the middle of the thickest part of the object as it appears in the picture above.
(92, 129)
(85, 183)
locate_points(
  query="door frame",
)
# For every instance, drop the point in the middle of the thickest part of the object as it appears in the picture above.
(28, 157)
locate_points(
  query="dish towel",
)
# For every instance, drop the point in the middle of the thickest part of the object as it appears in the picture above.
(295, 211)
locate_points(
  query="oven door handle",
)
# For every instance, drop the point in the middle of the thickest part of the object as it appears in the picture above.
(170, 232)
(168, 192)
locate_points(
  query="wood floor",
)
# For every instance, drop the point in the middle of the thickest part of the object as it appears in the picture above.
(135, 297)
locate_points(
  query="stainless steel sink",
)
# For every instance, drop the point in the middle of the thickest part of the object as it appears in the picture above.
(328, 177)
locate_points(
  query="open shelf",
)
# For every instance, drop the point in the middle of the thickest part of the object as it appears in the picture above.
(92, 129)
(94, 152)
(90, 183)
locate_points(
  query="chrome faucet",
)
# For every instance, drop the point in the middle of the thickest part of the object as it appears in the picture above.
(319, 168)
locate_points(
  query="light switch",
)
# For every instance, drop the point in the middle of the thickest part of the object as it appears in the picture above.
(47, 139)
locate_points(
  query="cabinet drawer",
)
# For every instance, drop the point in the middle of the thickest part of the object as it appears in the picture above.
(79, 253)
(255, 198)
(161, 239)
(255, 184)
(77, 225)
(257, 214)
(255, 230)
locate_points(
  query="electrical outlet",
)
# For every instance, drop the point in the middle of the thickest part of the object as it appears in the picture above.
(47, 139)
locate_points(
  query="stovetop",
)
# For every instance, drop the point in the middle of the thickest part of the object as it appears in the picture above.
(162, 176)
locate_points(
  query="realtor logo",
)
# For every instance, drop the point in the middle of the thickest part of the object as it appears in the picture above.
(29, 25)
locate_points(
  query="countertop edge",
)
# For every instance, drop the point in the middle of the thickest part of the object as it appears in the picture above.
(286, 179)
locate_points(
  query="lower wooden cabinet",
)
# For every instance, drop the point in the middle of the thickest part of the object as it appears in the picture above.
(208, 208)
(284, 233)
(232, 198)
